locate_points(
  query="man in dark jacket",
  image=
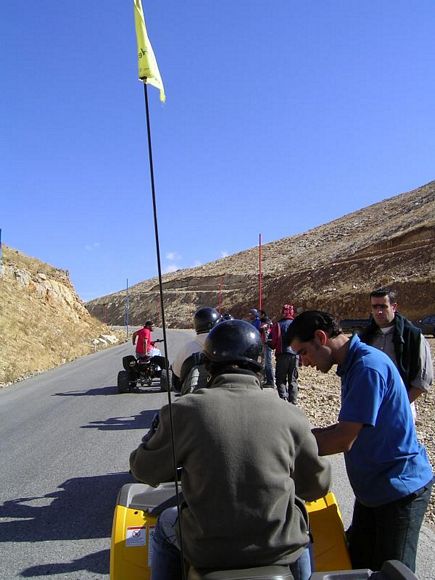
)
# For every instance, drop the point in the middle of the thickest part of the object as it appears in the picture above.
(286, 369)
(403, 342)
(248, 460)
(266, 325)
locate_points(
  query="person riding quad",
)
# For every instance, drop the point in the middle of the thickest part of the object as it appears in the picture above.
(248, 460)
(143, 339)
(204, 320)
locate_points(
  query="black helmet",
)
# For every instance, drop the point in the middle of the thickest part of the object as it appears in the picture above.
(205, 318)
(234, 341)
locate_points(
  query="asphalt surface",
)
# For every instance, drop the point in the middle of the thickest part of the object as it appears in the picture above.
(65, 438)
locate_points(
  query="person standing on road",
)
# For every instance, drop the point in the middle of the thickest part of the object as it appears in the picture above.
(403, 342)
(143, 339)
(248, 460)
(265, 326)
(286, 367)
(387, 467)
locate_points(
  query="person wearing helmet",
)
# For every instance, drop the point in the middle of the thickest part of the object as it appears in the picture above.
(204, 320)
(286, 368)
(227, 316)
(247, 461)
(254, 318)
(143, 339)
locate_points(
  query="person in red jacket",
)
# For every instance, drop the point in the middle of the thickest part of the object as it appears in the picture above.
(143, 339)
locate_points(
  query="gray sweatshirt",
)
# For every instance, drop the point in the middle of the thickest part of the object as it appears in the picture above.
(248, 460)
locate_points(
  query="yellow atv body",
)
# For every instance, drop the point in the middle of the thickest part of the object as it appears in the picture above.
(134, 524)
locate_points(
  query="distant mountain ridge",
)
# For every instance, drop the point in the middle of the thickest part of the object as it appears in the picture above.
(331, 267)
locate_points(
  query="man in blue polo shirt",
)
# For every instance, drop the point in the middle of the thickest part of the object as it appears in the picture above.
(387, 467)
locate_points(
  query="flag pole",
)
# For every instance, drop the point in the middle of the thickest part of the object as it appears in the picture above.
(156, 226)
(162, 307)
(260, 276)
(162, 310)
(149, 74)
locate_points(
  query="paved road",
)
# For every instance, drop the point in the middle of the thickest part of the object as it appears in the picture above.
(65, 437)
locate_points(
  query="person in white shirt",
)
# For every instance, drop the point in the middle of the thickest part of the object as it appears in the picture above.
(204, 320)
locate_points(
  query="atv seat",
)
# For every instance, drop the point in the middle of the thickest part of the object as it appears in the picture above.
(258, 573)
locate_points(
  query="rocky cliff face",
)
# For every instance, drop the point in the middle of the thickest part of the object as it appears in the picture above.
(332, 267)
(43, 323)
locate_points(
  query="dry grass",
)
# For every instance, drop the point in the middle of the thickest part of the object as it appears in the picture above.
(42, 321)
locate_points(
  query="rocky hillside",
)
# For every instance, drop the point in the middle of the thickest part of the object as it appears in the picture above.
(331, 267)
(43, 323)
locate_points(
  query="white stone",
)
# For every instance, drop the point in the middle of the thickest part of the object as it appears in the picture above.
(110, 338)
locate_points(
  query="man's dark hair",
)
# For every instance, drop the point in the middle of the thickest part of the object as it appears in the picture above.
(381, 292)
(305, 325)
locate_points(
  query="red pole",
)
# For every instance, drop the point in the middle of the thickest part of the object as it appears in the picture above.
(260, 276)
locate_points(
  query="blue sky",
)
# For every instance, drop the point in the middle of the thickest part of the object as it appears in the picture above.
(280, 116)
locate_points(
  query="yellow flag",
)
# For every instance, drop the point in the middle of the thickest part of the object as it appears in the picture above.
(148, 68)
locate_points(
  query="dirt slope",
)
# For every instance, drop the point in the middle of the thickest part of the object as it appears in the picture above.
(43, 322)
(331, 267)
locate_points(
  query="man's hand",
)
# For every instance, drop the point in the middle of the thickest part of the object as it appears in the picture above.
(337, 438)
(153, 428)
(414, 393)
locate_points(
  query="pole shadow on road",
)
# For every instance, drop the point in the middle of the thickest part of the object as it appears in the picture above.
(81, 508)
(98, 563)
(106, 391)
(141, 421)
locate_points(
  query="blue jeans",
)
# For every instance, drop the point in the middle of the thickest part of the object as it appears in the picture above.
(166, 561)
(166, 556)
(388, 532)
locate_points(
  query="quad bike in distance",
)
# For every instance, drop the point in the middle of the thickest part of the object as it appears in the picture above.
(142, 371)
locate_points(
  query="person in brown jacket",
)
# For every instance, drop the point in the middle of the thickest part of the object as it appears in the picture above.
(248, 460)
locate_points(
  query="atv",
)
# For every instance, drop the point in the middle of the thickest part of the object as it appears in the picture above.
(135, 517)
(141, 372)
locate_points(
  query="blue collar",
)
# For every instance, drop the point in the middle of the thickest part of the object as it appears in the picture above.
(353, 345)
